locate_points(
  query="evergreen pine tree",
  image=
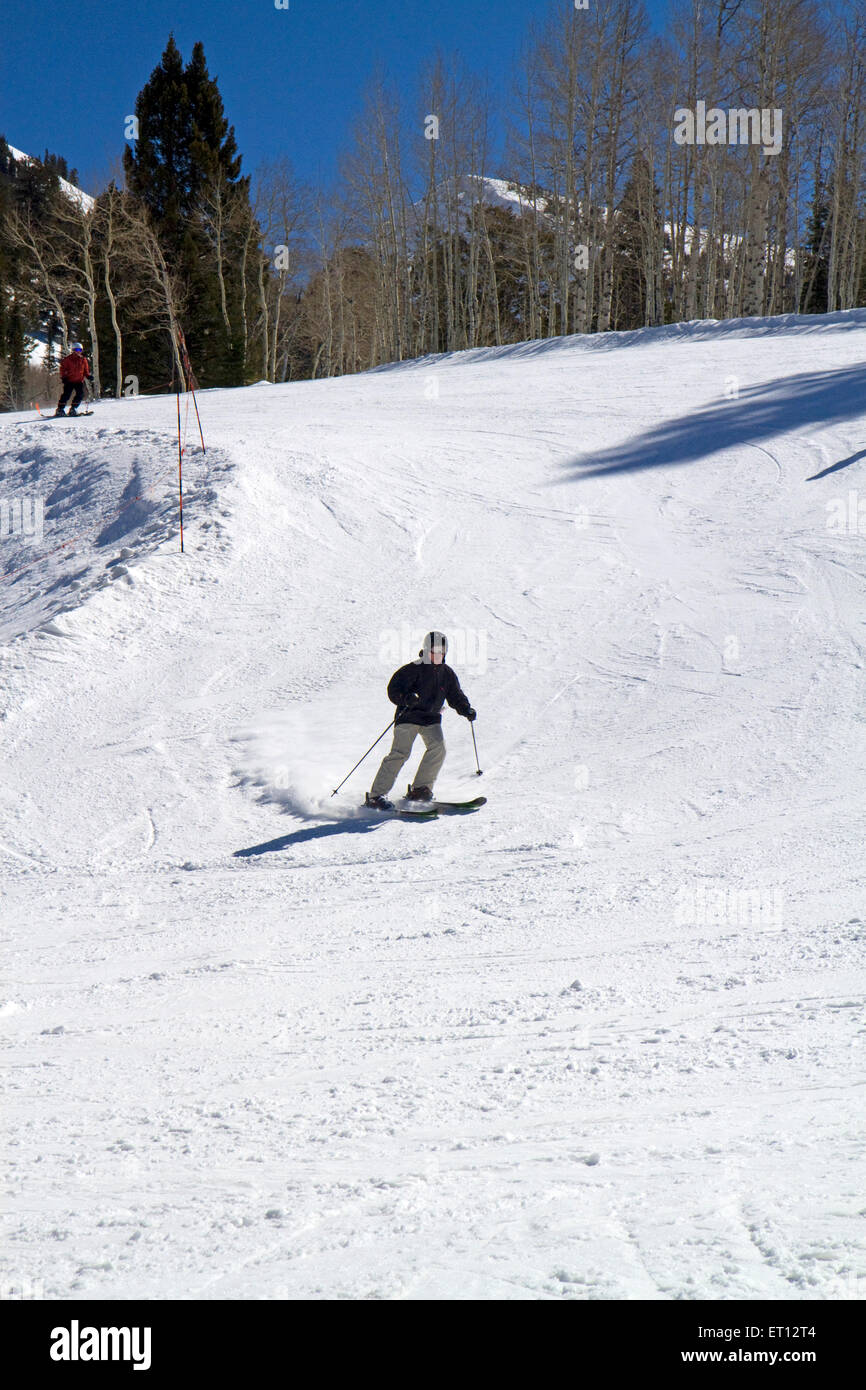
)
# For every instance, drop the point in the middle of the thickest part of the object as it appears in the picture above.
(158, 166)
(217, 175)
(816, 268)
(28, 188)
(636, 241)
(186, 155)
(12, 347)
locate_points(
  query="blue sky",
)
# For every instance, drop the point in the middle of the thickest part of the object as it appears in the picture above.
(292, 80)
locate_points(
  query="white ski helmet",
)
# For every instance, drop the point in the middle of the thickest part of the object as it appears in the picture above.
(77, 347)
(433, 642)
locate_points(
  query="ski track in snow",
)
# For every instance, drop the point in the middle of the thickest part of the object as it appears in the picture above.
(259, 1046)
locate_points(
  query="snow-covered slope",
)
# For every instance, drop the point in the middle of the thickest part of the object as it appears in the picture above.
(602, 1039)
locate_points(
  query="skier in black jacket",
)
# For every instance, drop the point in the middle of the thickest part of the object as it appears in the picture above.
(419, 691)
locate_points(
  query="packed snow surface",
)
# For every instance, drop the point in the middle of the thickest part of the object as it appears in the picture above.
(602, 1039)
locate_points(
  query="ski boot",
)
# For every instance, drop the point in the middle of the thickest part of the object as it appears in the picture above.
(378, 803)
(419, 794)
(71, 413)
(58, 411)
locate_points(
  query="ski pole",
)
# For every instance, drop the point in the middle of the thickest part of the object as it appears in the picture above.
(369, 750)
(475, 746)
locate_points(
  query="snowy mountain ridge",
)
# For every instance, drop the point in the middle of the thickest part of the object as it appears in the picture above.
(77, 195)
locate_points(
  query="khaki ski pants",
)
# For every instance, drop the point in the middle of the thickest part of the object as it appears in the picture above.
(404, 737)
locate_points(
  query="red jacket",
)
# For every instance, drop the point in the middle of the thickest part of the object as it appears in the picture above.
(75, 367)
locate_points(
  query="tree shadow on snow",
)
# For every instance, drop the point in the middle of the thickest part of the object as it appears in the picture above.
(834, 467)
(759, 412)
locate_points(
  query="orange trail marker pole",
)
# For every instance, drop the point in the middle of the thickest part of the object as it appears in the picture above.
(180, 470)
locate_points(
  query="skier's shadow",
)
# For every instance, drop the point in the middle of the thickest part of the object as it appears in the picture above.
(313, 832)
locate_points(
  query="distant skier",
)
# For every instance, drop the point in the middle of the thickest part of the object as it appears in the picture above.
(419, 691)
(74, 371)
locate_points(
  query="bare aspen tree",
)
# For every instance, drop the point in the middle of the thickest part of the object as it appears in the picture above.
(322, 317)
(37, 242)
(111, 223)
(531, 206)
(160, 295)
(375, 184)
(215, 212)
(279, 210)
(626, 25)
(848, 105)
(553, 94)
(77, 262)
(249, 235)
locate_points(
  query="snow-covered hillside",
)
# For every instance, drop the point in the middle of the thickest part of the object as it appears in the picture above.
(603, 1039)
(71, 190)
(37, 342)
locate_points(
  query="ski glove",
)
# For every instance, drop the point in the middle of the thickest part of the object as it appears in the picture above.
(470, 715)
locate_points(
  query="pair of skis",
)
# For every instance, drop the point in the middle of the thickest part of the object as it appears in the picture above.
(429, 810)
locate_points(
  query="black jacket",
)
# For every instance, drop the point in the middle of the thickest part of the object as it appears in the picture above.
(433, 684)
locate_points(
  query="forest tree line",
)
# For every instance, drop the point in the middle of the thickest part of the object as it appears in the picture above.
(633, 184)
